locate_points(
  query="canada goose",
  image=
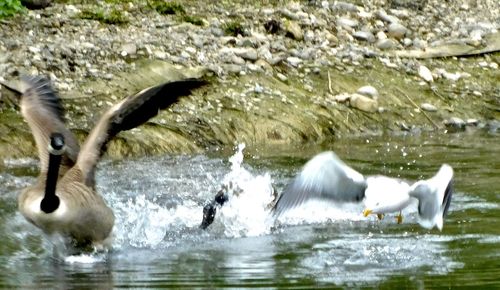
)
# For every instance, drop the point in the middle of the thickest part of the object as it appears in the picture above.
(325, 176)
(64, 200)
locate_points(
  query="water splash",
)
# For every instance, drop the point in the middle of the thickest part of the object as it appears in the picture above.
(247, 211)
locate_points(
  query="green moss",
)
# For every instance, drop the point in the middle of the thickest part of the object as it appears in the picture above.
(193, 20)
(164, 7)
(113, 16)
(10, 8)
(234, 28)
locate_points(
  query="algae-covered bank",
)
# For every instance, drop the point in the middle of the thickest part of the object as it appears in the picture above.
(280, 72)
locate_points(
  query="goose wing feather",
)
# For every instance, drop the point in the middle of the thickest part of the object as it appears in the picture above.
(42, 109)
(127, 114)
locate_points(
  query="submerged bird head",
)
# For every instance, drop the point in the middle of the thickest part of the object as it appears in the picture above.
(434, 197)
(50, 201)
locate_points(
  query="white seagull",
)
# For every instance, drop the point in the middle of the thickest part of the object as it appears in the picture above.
(327, 177)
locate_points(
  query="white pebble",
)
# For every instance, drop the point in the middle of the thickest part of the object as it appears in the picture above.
(368, 91)
(425, 74)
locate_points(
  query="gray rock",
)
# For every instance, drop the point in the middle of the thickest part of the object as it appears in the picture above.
(294, 61)
(368, 91)
(396, 30)
(128, 49)
(345, 7)
(419, 44)
(363, 103)
(281, 77)
(289, 14)
(309, 36)
(428, 107)
(381, 35)
(455, 124)
(264, 53)
(386, 44)
(248, 54)
(347, 22)
(364, 36)
(425, 74)
(407, 42)
(472, 122)
(493, 126)
(236, 60)
(231, 68)
(409, 4)
(293, 30)
(258, 89)
(382, 15)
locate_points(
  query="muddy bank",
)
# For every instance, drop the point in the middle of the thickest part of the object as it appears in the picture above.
(267, 88)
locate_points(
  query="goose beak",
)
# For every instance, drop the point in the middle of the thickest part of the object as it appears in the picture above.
(367, 212)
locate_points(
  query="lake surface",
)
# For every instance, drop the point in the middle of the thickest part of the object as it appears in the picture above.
(158, 206)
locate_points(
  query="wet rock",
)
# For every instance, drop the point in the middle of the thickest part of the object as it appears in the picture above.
(455, 124)
(493, 126)
(425, 74)
(368, 91)
(293, 30)
(428, 107)
(364, 36)
(363, 103)
(396, 30)
(472, 122)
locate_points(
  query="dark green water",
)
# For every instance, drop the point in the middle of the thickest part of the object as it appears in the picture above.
(158, 204)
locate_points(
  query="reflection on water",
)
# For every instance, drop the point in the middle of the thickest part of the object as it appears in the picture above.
(158, 201)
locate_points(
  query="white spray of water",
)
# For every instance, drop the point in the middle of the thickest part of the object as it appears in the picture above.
(246, 213)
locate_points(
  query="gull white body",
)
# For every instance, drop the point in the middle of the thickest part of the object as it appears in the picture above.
(325, 176)
(386, 195)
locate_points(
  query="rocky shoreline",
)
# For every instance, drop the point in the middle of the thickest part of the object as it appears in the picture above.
(283, 73)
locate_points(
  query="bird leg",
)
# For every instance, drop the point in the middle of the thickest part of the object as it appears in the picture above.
(399, 218)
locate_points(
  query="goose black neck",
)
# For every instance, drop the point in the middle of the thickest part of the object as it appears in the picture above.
(50, 201)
